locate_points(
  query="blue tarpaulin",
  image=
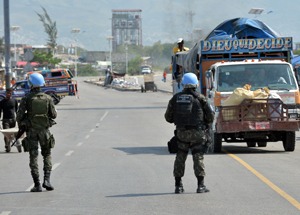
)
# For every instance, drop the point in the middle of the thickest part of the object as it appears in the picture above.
(296, 60)
(242, 28)
(237, 28)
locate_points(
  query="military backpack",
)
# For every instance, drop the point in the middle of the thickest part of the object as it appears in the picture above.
(38, 113)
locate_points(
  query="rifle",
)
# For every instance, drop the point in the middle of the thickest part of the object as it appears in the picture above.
(208, 143)
(21, 131)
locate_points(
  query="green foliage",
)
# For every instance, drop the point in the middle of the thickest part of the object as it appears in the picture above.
(86, 70)
(159, 53)
(134, 65)
(297, 52)
(50, 28)
(45, 59)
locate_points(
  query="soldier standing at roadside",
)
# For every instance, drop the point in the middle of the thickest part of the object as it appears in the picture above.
(191, 114)
(36, 113)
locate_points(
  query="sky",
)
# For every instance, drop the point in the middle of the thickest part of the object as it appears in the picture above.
(162, 20)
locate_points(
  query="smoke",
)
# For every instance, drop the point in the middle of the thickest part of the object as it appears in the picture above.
(179, 19)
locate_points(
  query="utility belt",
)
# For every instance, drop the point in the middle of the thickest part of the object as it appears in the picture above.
(201, 126)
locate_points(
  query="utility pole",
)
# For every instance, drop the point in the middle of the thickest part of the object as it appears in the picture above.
(126, 56)
(110, 38)
(75, 31)
(15, 28)
(7, 43)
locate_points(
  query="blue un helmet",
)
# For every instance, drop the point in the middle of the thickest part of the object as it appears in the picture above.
(36, 80)
(189, 80)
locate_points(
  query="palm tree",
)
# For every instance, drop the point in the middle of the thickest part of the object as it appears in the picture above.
(50, 29)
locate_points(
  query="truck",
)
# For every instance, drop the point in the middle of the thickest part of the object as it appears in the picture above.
(57, 75)
(227, 65)
(56, 88)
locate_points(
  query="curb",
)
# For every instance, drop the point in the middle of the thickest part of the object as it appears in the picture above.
(112, 86)
(121, 88)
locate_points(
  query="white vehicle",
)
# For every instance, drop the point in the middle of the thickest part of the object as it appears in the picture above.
(146, 70)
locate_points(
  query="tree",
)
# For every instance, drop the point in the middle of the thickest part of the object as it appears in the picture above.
(45, 59)
(134, 65)
(50, 29)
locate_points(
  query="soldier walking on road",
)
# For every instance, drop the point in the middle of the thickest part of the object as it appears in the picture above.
(36, 113)
(191, 114)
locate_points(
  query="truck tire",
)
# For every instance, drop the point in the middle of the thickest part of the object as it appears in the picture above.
(261, 143)
(289, 139)
(217, 140)
(251, 143)
(154, 88)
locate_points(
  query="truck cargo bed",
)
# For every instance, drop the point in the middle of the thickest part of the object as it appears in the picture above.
(256, 115)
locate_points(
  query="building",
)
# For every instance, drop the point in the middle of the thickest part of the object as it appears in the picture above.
(297, 46)
(126, 28)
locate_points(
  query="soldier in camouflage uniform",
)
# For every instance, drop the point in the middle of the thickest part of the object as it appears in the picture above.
(191, 114)
(36, 113)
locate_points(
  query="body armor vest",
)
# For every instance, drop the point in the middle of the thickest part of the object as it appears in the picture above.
(38, 111)
(188, 111)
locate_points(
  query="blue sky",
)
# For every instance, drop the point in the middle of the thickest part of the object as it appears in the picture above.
(162, 20)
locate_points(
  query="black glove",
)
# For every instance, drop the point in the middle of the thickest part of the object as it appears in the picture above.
(207, 143)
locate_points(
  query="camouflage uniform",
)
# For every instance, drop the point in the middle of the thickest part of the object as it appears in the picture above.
(36, 134)
(190, 128)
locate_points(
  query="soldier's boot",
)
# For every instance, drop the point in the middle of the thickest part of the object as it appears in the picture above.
(178, 185)
(47, 183)
(37, 185)
(201, 187)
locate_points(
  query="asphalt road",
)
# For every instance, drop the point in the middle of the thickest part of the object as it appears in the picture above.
(111, 158)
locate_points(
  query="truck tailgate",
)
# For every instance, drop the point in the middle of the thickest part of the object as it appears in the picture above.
(256, 115)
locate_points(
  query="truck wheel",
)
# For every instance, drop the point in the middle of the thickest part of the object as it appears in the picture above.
(217, 142)
(262, 144)
(251, 143)
(289, 139)
(154, 88)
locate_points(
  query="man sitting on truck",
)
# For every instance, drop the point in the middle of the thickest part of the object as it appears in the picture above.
(180, 46)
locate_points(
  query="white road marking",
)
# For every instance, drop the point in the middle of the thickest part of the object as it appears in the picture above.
(69, 153)
(55, 166)
(92, 130)
(79, 144)
(87, 136)
(29, 188)
(105, 114)
(5, 212)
